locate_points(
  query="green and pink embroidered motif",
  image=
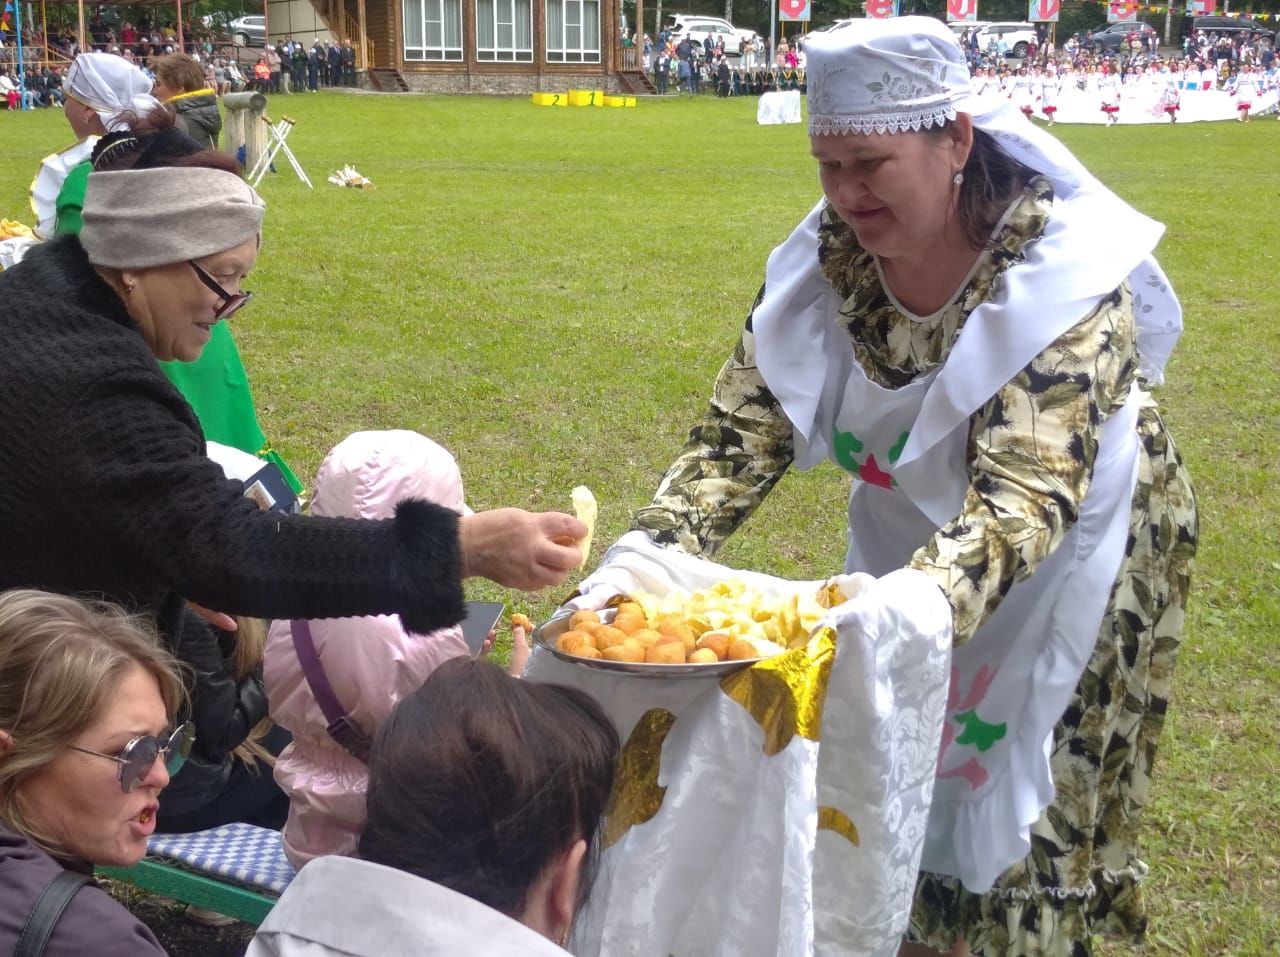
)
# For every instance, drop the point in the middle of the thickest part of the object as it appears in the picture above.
(964, 726)
(977, 733)
(848, 447)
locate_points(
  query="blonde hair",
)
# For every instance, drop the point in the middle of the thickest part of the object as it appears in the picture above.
(61, 661)
(246, 658)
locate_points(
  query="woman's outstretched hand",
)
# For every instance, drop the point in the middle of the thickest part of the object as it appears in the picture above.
(519, 549)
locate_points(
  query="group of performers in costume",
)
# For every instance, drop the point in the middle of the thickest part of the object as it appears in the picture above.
(1156, 89)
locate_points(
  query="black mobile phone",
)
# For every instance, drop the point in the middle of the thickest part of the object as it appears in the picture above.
(481, 618)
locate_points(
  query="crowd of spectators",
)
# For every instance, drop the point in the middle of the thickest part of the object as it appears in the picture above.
(684, 65)
(287, 66)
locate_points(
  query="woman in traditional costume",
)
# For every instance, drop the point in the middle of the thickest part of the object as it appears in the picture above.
(968, 324)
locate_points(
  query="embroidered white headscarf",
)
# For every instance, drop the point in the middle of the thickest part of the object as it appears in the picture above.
(110, 86)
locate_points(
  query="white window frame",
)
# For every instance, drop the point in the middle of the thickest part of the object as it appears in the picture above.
(502, 22)
(569, 21)
(441, 21)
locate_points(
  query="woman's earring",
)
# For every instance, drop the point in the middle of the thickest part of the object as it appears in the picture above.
(958, 178)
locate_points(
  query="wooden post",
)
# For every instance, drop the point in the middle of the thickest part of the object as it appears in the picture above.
(181, 46)
(639, 47)
(80, 10)
(364, 36)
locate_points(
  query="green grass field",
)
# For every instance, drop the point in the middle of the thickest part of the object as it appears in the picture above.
(549, 293)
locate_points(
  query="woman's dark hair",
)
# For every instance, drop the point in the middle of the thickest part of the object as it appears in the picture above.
(992, 180)
(478, 781)
(152, 141)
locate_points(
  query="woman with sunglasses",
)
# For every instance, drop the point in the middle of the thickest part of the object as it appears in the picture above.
(113, 494)
(87, 742)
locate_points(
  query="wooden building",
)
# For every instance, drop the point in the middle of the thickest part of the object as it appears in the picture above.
(479, 46)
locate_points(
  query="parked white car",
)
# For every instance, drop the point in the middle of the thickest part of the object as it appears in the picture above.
(1016, 36)
(698, 28)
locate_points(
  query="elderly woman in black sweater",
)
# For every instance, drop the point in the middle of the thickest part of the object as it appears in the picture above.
(104, 484)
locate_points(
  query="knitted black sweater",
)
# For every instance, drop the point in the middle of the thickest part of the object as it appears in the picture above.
(105, 488)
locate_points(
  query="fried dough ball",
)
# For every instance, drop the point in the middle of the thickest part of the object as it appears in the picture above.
(742, 650)
(647, 637)
(666, 653)
(678, 629)
(630, 622)
(630, 650)
(580, 618)
(571, 642)
(629, 608)
(607, 636)
(703, 656)
(521, 621)
(586, 651)
(717, 642)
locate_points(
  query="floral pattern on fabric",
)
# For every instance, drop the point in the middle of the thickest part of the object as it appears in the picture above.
(1083, 874)
(1032, 447)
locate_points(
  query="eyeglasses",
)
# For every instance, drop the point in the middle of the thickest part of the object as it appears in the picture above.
(231, 302)
(138, 756)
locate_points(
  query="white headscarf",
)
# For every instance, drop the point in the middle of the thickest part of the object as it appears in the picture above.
(907, 74)
(110, 86)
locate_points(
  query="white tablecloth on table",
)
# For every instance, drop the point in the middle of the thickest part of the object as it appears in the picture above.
(778, 106)
(779, 811)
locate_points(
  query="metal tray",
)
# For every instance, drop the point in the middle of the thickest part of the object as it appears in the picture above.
(551, 629)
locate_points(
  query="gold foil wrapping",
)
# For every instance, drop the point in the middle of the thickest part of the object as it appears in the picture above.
(834, 819)
(785, 693)
(636, 794)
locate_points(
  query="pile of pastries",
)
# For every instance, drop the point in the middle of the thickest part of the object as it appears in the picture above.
(730, 621)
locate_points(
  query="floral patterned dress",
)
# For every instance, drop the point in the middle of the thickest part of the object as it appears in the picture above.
(1031, 453)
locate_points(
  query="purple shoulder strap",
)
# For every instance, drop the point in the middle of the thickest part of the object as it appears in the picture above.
(341, 728)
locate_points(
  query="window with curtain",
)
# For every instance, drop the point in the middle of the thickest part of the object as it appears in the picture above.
(504, 30)
(573, 31)
(432, 29)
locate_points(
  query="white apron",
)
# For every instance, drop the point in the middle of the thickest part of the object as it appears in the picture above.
(1012, 681)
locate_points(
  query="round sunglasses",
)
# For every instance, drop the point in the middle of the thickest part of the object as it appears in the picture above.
(138, 756)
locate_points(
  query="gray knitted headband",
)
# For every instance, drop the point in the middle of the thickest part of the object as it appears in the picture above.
(135, 219)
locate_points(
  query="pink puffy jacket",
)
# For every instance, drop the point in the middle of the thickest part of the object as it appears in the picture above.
(371, 662)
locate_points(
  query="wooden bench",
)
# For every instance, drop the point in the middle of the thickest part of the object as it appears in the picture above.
(239, 870)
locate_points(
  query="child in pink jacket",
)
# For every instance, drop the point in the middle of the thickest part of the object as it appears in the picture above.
(371, 663)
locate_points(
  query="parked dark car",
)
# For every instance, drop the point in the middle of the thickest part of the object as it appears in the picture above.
(1110, 37)
(1229, 26)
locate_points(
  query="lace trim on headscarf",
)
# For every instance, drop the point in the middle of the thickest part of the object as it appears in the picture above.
(911, 121)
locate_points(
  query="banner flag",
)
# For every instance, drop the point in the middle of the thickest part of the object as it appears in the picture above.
(1122, 11)
(962, 11)
(794, 10)
(1043, 10)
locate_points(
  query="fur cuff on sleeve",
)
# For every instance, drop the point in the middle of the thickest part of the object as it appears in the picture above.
(427, 566)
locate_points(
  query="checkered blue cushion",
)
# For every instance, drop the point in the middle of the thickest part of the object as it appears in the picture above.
(241, 853)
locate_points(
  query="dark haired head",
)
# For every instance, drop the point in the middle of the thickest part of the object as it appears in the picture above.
(152, 141)
(992, 180)
(479, 782)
